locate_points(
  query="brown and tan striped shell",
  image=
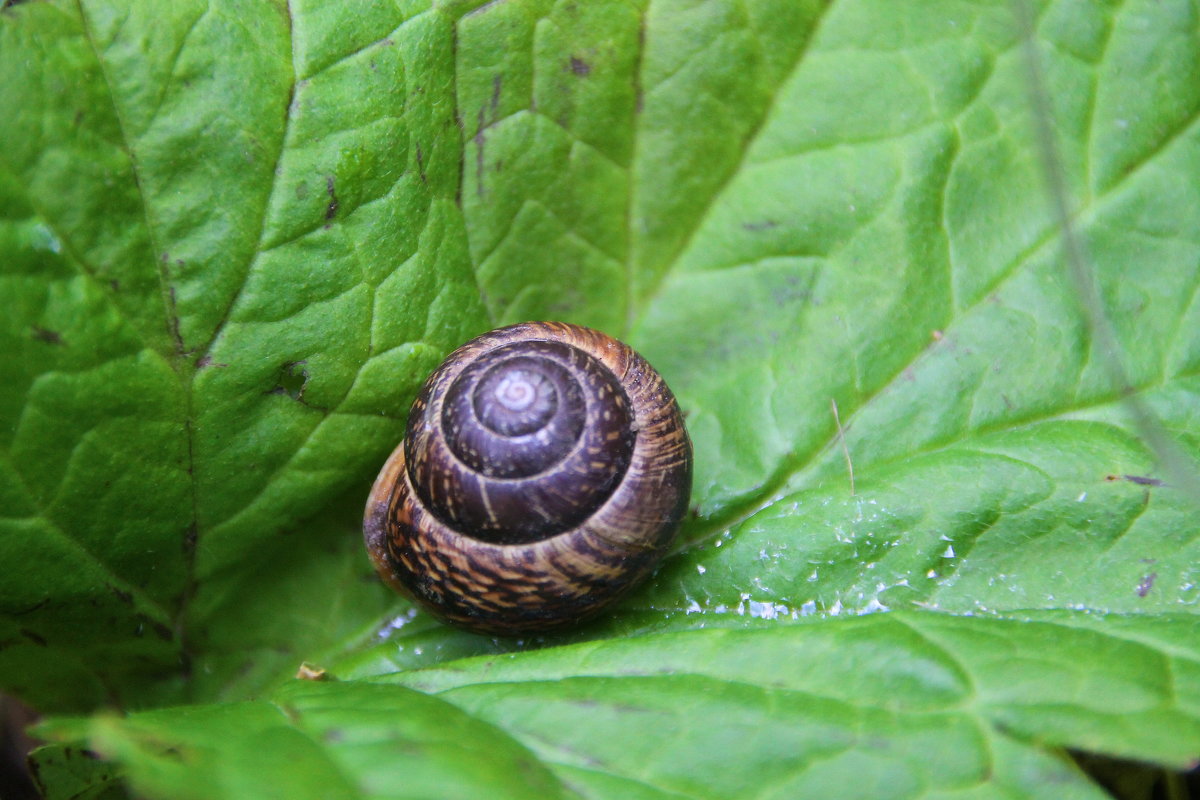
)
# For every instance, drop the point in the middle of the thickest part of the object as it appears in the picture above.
(521, 542)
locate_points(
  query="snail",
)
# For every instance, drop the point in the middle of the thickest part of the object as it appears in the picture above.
(544, 472)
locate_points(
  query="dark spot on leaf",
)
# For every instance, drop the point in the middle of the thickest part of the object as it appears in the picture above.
(580, 67)
(46, 335)
(331, 209)
(421, 164)
(292, 380)
(480, 141)
(122, 595)
(1141, 480)
(301, 190)
(35, 607)
(763, 225)
(115, 285)
(207, 361)
(497, 82)
(33, 637)
(1146, 584)
(162, 631)
(174, 317)
(190, 537)
(334, 735)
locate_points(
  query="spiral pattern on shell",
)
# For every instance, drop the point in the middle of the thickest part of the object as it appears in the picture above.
(544, 472)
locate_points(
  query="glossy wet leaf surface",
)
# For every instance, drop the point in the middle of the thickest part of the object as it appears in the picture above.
(236, 236)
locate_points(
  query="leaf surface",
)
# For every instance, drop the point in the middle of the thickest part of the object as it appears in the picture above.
(237, 235)
(905, 705)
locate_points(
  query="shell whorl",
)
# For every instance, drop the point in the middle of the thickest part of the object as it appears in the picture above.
(544, 471)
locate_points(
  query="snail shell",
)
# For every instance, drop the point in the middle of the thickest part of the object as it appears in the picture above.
(544, 472)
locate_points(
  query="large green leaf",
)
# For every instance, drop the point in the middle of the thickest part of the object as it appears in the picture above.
(897, 705)
(932, 357)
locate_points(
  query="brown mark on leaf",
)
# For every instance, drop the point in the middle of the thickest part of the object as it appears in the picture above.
(5, 5)
(497, 83)
(46, 335)
(462, 161)
(480, 141)
(579, 67)
(309, 672)
(190, 537)
(160, 630)
(35, 607)
(1142, 480)
(115, 285)
(1146, 584)
(33, 637)
(206, 360)
(421, 164)
(763, 225)
(176, 335)
(122, 595)
(331, 209)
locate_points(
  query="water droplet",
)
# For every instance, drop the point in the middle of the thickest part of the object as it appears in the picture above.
(873, 606)
(395, 623)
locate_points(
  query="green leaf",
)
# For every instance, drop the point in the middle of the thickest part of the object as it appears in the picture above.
(925, 282)
(329, 740)
(67, 771)
(896, 705)
(227, 290)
